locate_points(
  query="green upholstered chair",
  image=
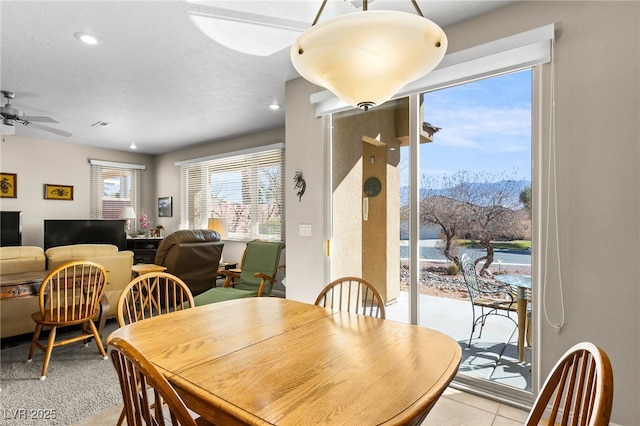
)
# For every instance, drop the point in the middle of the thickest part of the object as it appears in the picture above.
(257, 275)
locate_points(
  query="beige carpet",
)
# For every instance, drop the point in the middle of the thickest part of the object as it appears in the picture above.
(79, 384)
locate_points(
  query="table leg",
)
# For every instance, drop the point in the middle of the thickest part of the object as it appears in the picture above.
(522, 322)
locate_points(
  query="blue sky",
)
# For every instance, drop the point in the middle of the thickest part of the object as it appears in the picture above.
(486, 126)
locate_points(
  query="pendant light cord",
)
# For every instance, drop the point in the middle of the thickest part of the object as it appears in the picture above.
(315, 21)
(416, 7)
(552, 183)
(365, 7)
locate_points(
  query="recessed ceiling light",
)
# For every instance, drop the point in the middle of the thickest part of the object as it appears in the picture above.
(133, 146)
(274, 105)
(87, 38)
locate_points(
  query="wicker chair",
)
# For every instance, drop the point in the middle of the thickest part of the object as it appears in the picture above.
(581, 385)
(69, 295)
(352, 294)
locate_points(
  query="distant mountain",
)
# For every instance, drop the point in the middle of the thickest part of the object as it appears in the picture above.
(486, 186)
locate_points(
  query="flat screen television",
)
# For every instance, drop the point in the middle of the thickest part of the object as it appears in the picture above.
(64, 232)
(10, 228)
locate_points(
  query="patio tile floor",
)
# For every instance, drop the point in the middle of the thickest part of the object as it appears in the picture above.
(494, 356)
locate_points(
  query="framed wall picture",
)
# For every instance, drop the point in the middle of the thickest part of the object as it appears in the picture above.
(58, 192)
(8, 185)
(165, 207)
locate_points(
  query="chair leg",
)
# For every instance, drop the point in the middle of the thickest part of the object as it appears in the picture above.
(483, 319)
(34, 339)
(529, 328)
(47, 353)
(473, 325)
(94, 330)
(121, 418)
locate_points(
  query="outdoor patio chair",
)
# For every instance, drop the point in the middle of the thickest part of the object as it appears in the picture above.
(489, 299)
(581, 385)
(352, 294)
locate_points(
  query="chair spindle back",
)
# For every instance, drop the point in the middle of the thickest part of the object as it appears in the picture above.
(352, 294)
(152, 294)
(145, 391)
(579, 387)
(72, 292)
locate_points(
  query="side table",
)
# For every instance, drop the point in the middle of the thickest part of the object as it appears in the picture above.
(144, 249)
(144, 268)
(227, 266)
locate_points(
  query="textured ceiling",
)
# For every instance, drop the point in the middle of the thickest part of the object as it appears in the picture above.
(156, 78)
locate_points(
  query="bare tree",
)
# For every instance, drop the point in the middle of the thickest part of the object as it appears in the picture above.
(447, 213)
(262, 200)
(270, 196)
(478, 205)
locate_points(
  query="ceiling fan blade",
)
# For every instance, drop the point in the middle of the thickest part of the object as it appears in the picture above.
(7, 130)
(39, 119)
(247, 32)
(48, 129)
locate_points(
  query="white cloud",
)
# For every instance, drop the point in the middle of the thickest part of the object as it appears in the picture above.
(494, 129)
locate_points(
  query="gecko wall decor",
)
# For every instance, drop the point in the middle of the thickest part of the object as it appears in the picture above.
(300, 185)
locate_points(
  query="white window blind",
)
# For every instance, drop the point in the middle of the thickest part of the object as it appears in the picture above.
(244, 188)
(115, 186)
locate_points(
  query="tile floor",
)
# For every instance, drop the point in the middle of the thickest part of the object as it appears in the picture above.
(455, 408)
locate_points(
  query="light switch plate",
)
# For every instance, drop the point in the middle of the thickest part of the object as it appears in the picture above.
(305, 230)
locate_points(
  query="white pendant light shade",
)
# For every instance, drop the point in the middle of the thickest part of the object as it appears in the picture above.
(364, 58)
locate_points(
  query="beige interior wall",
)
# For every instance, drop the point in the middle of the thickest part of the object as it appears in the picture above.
(307, 151)
(40, 161)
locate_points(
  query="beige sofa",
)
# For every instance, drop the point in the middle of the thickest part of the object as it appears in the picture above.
(15, 315)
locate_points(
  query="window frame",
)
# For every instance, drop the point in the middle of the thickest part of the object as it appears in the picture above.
(135, 188)
(244, 215)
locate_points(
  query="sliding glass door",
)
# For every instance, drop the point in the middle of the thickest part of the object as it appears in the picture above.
(418, 182)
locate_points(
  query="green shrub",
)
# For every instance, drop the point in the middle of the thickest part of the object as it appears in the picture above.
(453, 269)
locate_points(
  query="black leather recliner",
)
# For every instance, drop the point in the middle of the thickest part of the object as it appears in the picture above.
(193, 256)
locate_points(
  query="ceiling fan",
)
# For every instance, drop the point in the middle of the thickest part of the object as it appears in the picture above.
(11, 115)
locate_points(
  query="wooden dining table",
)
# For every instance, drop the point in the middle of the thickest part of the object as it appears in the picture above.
(274, 361)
